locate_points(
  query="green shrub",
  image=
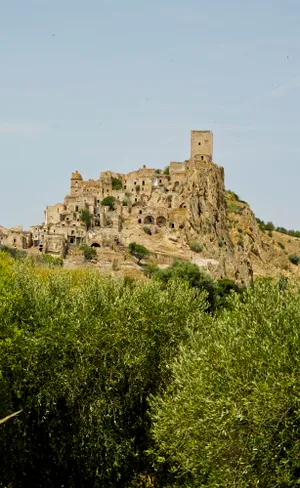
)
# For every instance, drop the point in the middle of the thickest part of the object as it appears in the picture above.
(109, 201)
(167, 171)
(147, 230)
(138, 188)
(86, 217)
(13, 252)
(195, 246)
(282, 230)
(80, 356)
(150, 269)
(157, 171)
(269, 226)
(48, 260)
(138, 251)
(88, 252)
(191, 274)
(116, 183)
(294, 259)
(232, 195)
(232, 207)
(231, 416)
(281, 245)
(125, 203)
(240, 243)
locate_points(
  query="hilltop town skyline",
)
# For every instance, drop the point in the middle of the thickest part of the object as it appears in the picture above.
(91, 87)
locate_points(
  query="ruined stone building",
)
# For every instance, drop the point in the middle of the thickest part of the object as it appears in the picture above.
(146, 197)
(179, 212)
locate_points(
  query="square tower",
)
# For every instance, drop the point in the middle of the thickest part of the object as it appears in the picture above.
(202, 145)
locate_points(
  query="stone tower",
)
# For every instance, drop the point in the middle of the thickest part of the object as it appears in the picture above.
(76, 179)
(201, 145)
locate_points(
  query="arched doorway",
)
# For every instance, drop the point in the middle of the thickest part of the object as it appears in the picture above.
(161, 221)
(149, 220)
(95, 244)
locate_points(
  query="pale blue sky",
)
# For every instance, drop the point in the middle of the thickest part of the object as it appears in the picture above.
(122, 83)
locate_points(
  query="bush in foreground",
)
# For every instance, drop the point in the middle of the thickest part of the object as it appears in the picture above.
(80, 356)
(231, 416)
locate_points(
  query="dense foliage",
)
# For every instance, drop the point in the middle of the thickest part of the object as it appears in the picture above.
(218, 292)
(119, 383)
(109, 201)
(116, 183)
(231, 416)
(80, 356)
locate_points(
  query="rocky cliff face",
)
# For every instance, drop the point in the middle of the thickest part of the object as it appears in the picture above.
(207, 220)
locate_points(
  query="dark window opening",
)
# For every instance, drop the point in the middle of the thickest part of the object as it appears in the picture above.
(124, 187)
(199, 143)
(202, 158)
(143, 183)
(172, 225)
(72, 240)
(161, 221)
(149, 220)
(140, 221)
(95, 244)
(76, 208)
(140, 211)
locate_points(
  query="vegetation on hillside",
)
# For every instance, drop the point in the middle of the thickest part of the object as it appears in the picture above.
(88, 252)
(234, 207)
(138, 251)
(116, 183)
(109, 201)
(86, 217)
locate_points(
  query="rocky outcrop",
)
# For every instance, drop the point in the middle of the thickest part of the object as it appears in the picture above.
(206, 212)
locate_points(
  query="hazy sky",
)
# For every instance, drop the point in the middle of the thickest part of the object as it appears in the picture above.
(109, 84)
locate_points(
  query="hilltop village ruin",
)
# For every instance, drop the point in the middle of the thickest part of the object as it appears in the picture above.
(146, 197)
(179, 212)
